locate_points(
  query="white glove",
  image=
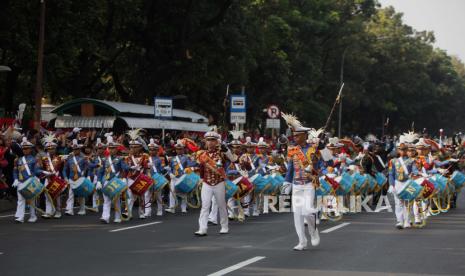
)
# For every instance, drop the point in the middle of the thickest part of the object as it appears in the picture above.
(47, 173)
(168, 168)
(453, 160)
(15, 183)
(99, 185)
(391, 189)
(286, 188)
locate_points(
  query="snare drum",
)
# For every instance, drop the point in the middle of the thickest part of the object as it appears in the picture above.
(114, 188)
(55, 186)
(244, 185)
(230, 188)
(82, 187)
(346, 182)
(159, 181)
(428, 187)
(30, 188)
(360, 181)
(411, 191)
(458, 179)
(260, 183)
(141, 184)
(187, 183)
(440, 183)
(380, 179)
(324, 188)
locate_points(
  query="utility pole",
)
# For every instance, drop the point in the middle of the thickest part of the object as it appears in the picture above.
(40, 69)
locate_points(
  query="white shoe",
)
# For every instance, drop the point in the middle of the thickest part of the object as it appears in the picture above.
(400, 225)
(184, 211)
(32, 220)
(256, 214)
(46, 216)
(224, 231)
(247, 213)
(160, 213)
(105, 220)
(315, 237)
(300, 247)
(170, 210)
(82, 212)
(18, 220)
(142, 216)
(407, 225)
(69, 213)
(117, 220)
(57, 215)
(200, 233)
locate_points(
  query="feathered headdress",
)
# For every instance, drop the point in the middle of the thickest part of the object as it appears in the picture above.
(410, 137)
(25, 143)
(314, 135)
(49, 140)
(261, 143)
(134, 134)
(294, 124)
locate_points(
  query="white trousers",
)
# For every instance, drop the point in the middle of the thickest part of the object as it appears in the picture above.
(21, 207)
(107, 208)
(213, 216)
(219, 193)
(303, 197)
(70, 202)
(401, 206)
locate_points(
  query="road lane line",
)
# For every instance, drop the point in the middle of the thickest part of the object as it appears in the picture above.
(335, 227)
(237, 266)
(8, 216)
(136, 226)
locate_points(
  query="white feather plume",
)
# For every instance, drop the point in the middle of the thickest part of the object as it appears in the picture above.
(108, 134)
(236, 134)
(134, 134)
(291, 120)
(410, 137)
(48, 138)
(313, 133)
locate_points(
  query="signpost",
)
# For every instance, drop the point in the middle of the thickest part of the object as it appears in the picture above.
(163, 110)
(238, 109)
(273, 120)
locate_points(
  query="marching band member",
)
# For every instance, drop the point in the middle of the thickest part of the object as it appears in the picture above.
(179, 164)
(52, 164)
(114, 166)
(96, 164)
(262, 160)
(303, 191)
(400, 170)
(155, 165)
(25, 167)
(137, 162)
(75, 167)
(212, 169)
(247, 164)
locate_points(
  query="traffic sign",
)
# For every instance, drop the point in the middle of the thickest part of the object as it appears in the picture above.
(273, 112)
(273, 123)
(163, 107)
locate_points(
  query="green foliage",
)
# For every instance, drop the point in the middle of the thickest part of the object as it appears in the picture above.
(285, 52)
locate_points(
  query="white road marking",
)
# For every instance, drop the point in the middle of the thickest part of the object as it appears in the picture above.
(237, 266)
(1, 253)
(8, 216)
(335, 227)
(136, 226)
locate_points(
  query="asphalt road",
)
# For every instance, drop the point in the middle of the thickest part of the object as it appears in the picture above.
(361, 244)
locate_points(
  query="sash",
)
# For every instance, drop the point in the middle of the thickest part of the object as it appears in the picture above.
(26, 166)
(51, 163)
(179, 162)
(76, 163)
(403, 166)
(381, 161)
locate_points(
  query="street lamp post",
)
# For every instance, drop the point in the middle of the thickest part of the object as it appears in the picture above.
(40, 68)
